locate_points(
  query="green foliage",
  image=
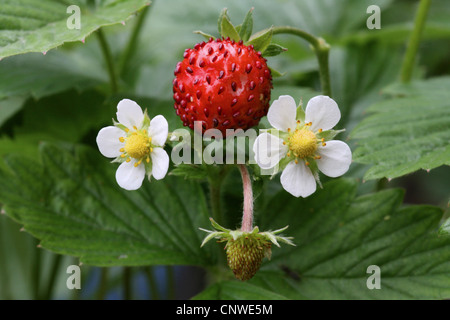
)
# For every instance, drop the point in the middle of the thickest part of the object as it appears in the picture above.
(78, 210)
(338, 235)
(38, 26)
(407, 132)
(58, 188)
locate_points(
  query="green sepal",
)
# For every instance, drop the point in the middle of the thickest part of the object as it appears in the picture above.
(277, 133)
(118, 159)
(329, 134)
(273, 49)
(261, 40)
(218, 226)
(148, 169)
(246, 28)
(207, 36)
(222, 14)
(224, 234)
(119, 125)
(300, 113)
(315, 171)
(276, 73)
(146, 122)
(226, 27)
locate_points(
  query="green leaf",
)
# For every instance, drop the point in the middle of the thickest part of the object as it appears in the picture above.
(10, 106)
(64, 116)
(261, 39)
(246, 29)
(273, 49)
(38, 26)
(339, 235)
(445, 228)
(233, 290)
(408, 132)
(72, 203)
(227, 29)
(189, 171)
(63, 70)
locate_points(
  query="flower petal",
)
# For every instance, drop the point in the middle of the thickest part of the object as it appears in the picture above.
(108, 141)
(336, 158)
(130, 177)
(158, 130)
(269, 150)
(298, 180)
(160, 163)
(323, 112)
(129, 113)
(282, 113)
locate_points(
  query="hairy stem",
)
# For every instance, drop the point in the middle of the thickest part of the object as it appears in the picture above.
(108, 59)
(414, 40)
(247, 217)
(321, 49)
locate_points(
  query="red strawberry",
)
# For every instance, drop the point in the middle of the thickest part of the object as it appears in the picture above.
(222, 83)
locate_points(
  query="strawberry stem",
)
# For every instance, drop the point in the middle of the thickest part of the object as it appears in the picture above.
(108, 59)
(414, 40)
(132, 42)
(321, 49)
(247, 217)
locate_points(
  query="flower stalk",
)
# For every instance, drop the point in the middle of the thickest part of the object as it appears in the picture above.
(247, 217)
(320, 47)
(414, 40)
(109, 60)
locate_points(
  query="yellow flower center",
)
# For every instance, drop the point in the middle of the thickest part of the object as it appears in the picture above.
(303, 143)
(137, 145)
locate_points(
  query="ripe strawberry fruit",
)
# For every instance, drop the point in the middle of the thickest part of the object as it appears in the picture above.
(222, 83)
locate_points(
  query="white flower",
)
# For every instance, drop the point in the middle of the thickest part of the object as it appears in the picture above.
(137, 143)
(299, 143)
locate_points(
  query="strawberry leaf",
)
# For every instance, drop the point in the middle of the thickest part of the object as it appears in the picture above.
(190, 171)
(71, 202)
(407, 132)
(38, 26)
(338, 236)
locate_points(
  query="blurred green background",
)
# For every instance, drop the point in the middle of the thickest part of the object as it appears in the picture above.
(43, 98)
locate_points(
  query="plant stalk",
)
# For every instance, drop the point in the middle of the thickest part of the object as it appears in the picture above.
(320, 47)
(414, 41)
(130, 49)
(108, 59)
(247, 217)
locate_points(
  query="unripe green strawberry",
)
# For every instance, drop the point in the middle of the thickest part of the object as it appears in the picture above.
(246, 250)
(245, 255)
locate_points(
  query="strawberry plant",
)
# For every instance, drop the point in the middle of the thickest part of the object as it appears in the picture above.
(144, 159)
